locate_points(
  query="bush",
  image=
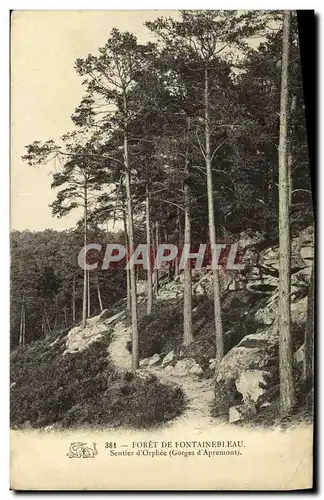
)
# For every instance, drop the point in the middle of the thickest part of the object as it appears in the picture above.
(161, 331)
(83, 389)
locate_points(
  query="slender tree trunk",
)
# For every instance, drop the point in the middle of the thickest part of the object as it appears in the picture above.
(88, 289)
(99, 294)
(176, 262)
(212, 231)
(156, 271)
(154, 257)
(290, 156)
(84, 304)
(287, 393)
(49, 330)
(131, 247)
(73, 300)
(187, 288)
(127, 254)
(149, 264)
(309, 332)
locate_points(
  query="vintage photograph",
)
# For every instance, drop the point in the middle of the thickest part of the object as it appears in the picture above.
(162, 251)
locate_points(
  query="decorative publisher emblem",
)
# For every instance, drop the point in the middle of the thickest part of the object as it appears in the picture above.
(82, 450)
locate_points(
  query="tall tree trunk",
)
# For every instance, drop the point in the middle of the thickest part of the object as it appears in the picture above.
(131, 247)
(287, 393)
(154, 257)
(187, 288)
(99, 294)
(309, 332)
(156, 271)
(149, 263)
(212, 231)
(127, 257)
(88, 289)
(84, 303)
(290, 156)
(73, 300)
(176, 262)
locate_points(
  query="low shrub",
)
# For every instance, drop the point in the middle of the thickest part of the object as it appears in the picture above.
(84, 390)
(161, 331)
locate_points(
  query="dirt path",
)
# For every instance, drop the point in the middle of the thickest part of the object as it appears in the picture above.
(199, 393)
(119, 354)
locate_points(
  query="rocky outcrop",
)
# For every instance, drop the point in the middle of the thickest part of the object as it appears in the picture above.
(183, 368)
(143, 362)
(154, 360)
(78, 338)
(252, 384)
(261, 271)
(249, 370)
(168, 359)
(240, 413)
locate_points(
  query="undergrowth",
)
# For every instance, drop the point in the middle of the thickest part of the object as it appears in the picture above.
(83, 389)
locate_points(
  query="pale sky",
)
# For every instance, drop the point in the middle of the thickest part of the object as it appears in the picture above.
(45, 91)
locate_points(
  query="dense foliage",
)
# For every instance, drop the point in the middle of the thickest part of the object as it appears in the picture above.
(44, 272)
(84, 390)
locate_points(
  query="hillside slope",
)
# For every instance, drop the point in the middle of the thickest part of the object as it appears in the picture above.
(83, 376)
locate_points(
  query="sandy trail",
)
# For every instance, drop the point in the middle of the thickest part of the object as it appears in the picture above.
(199, 393)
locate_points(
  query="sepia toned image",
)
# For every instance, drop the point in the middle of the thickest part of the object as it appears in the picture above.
(162, 252)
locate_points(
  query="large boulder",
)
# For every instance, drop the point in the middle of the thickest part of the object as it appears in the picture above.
(299, 355)
(185, 367)
(300, 363)
(79, 338)
(112, 319)
(104, 314)
(143, 362)
(302, 252)
(168, 359)
(252, 384)
(250, 238)
(299, 312)
(204, 286)
(182, 367)
(240, 413)
(302, 247)
(196, 370)
(212, 363)
(255, 352)
(268, 312)
(154, 360)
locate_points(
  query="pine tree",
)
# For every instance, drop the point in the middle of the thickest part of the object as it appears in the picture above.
(287, 392)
